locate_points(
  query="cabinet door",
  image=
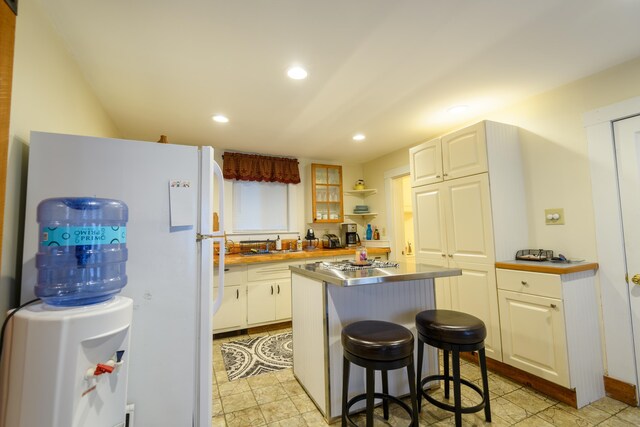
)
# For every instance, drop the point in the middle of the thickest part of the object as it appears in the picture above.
(326, 193)
(425, 162)
(533, 335)
(475, 293)
(261, 302)
(283, 300)
(231, 312)
(429, 223)
(469, 225)
(464, 152)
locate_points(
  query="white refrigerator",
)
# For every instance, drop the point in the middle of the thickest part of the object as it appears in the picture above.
(169, 190)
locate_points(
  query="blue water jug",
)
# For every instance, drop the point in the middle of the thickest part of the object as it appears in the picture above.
(82, 250)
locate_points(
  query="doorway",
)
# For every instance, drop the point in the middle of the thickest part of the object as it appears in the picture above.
(627, 145)
(400, 214)
(613, 135)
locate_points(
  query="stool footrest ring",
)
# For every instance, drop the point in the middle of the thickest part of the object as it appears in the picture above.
(446, 407)
(383, 396)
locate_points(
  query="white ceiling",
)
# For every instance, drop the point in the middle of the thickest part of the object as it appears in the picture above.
(387, 68)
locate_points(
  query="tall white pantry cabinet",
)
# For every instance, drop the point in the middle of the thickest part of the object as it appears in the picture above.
(469, 211)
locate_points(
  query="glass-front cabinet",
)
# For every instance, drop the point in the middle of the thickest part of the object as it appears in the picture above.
(326, 185)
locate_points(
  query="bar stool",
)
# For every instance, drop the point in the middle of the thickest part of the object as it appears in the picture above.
(454, 332)
(377, 345)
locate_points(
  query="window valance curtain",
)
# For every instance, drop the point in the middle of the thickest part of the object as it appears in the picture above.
(253, 167)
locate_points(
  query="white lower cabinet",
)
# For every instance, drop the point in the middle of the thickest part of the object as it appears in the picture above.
(268, 301)
(231, 314)
(475, 293)
(533, 335)
(550, 328)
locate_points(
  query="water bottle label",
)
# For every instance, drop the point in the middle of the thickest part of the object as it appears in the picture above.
(73, 236)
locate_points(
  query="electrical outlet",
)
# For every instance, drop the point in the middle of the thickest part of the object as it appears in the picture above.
(554, 216)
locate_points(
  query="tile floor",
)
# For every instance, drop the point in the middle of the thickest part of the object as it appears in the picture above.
(276, 399)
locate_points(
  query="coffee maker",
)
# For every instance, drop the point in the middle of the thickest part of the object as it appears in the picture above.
(349, 235)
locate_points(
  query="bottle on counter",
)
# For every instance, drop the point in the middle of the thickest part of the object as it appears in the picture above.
(369, 232)
(299, 244)
(376, 234)
(278, 244)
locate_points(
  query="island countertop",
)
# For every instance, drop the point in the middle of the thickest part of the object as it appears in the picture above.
(404, 271)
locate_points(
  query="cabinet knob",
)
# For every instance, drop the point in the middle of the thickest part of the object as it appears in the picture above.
(524, 283)
(271, 289)
(444, 255)
(237, 293)
(450, 256)
(437, 176)
(445, 174)
(278, 289)
(553, 306)
(636, 279)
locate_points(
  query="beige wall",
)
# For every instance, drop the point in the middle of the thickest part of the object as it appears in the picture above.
(554, 147)
(49, 94)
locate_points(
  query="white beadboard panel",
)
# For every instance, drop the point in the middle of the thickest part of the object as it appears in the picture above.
(583, 336)
(616, 313)
(309, 361)
(506, 179)
(394, 302)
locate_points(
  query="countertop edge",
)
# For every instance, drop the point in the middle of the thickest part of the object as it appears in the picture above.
(575, 268)
(368, 281)
(236, 259)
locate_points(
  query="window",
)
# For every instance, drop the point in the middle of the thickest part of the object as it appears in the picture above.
(260, 206)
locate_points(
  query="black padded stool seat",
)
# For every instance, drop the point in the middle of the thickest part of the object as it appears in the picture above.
(450, 326)
(455, 332)
(377, 340)
(377, 345)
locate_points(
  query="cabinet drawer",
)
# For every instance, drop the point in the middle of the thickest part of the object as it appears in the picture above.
(543, 284)
(279, 270)
(233, 275)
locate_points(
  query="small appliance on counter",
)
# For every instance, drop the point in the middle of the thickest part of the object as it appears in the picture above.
(349, 235)
(331, 241)
(312, 240)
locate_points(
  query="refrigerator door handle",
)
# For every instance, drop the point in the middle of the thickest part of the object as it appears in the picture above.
(218, 301)
(218, 172)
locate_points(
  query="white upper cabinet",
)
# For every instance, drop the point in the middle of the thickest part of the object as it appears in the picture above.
(464, 152)
(426, 163)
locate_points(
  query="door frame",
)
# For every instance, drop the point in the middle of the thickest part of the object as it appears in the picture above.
(389, 176)
(620, 357)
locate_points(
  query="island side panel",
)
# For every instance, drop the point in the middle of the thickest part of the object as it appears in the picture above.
(308, 317)
(397, 302)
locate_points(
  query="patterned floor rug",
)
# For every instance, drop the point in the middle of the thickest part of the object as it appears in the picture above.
(255, 356)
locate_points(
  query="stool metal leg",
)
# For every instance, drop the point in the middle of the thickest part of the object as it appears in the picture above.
(456, 387)
(345, 389)
(485, 385)
(370, 390)
(385, 390)
(419, 374)
(445, 356)
(412, 393)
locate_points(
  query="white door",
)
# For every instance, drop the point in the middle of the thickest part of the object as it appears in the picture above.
(464, 152)
(627, 140)
(425, 161)
(469, 226)
(429, 223)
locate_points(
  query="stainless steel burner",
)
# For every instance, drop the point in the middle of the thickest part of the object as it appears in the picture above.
(349, 266)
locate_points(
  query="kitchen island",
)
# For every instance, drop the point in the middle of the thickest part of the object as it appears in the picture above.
(328, 296)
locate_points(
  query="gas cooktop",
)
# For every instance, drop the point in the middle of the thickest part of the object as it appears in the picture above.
(353, 266)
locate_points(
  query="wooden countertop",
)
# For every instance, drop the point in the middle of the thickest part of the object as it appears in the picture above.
(237, 259)
(547, 267)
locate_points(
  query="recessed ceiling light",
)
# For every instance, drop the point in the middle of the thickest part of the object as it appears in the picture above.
(219, 118)
(297, 73)
(359, 137)
(457, 109)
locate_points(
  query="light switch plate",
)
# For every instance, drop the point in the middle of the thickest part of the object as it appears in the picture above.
(554, 216)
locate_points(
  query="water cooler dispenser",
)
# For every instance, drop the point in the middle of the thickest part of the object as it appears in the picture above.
(64, 360)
